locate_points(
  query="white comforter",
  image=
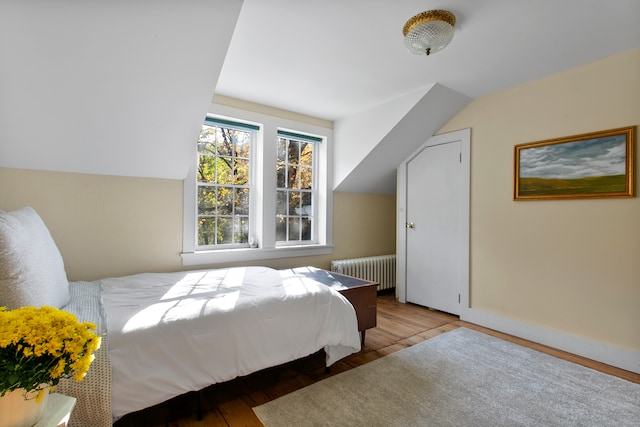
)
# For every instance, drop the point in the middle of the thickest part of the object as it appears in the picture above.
(170, 333)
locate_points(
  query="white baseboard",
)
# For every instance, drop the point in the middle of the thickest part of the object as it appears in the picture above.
(614, 356)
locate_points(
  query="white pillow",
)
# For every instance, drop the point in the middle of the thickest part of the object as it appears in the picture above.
(31, 267)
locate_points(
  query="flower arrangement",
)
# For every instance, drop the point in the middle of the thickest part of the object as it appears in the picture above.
(38, 346)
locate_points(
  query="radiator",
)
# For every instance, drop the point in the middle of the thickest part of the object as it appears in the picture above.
(380, 268)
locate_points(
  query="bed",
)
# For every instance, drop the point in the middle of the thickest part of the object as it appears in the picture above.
(165, 334)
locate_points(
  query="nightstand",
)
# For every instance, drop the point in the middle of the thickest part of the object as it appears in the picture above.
(58, 411)
(362, 294)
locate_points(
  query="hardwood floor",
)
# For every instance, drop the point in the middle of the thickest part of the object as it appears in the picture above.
(399, 326)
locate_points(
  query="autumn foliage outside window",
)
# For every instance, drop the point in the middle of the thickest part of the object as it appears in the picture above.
(294, 194)
(223, 185)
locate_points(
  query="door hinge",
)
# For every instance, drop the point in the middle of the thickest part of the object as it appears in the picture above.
(458, 298)
(460, 157)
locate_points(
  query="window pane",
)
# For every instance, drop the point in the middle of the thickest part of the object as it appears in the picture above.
(225, 230)
(282, 149)
(306, 229)
(281, 229)
(294, 203)
(294, 228)
(242, 146)
(224, 141)
(241, 229)
(206, 200)
(292, 177)
(206, 142)
(306, 175)
(225, 200)
(224, 172)
(306, 154)
(293, 152)
(206, 169)
(207, 231)
(281, 175)
(242, 201)
(281, 202)
(306, 203)
(241, 171)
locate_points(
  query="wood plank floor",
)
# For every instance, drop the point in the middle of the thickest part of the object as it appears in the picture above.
(399, 326)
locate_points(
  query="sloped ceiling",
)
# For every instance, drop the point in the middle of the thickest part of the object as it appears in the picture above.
(376, 141)
(121, 87)
(345, 61)
(109, 87)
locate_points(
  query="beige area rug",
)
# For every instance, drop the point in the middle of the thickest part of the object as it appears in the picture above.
(461, 378)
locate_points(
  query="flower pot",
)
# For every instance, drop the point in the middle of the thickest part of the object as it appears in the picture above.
(18, 409)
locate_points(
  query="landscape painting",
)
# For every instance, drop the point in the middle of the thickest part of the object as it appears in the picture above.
(599, 164)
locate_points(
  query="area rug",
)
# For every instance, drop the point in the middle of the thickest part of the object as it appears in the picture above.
(461, 378)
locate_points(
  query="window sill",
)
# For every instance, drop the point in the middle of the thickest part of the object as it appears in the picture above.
(251, 254)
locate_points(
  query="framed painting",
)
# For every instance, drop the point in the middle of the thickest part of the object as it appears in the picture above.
(591, 165)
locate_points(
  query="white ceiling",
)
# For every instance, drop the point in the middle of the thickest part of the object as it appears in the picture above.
(333, 58)
(109, 87)
(121, 87)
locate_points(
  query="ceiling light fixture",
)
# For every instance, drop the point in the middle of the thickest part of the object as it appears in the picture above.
(429, 32)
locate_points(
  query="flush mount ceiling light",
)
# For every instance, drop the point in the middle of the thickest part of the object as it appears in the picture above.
(428, 32)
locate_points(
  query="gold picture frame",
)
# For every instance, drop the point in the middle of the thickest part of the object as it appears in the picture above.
(590, 165)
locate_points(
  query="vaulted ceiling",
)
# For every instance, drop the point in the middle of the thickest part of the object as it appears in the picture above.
(121, 87)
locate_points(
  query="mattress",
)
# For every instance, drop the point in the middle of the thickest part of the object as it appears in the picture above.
(171, 333)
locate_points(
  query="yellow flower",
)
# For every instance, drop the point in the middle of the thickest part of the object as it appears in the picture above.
(38, 346)
(58, 370)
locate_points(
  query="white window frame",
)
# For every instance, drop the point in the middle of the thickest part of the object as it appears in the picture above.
(314, 190)
(264, 198)
(252, 181)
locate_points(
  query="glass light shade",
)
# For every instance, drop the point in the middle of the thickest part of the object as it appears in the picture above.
(429, 32)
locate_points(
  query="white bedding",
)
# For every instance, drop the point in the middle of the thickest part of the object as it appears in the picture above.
(170, 333)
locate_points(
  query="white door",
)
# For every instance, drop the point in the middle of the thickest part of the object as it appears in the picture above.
(435, 227)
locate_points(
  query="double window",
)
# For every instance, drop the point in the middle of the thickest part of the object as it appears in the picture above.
(257, 191)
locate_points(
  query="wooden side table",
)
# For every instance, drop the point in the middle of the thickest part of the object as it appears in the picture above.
(58, 411)
(362, 294)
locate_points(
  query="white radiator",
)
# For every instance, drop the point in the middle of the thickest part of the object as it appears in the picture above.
(380, 268)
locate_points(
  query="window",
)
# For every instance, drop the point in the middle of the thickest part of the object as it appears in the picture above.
(295, 190)
(224, 183)
(259, 188)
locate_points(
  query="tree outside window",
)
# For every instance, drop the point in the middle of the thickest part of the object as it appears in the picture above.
(232, 202)
(223, 185)
(294, 193)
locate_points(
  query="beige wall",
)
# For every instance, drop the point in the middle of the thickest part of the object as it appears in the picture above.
(363, 225)
(567, 265)
(111, 226)
(103, 225)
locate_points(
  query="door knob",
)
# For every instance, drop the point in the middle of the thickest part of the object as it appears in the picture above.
(411, 225)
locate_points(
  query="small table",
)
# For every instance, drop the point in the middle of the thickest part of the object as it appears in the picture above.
(362, 294)
(57, 412)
